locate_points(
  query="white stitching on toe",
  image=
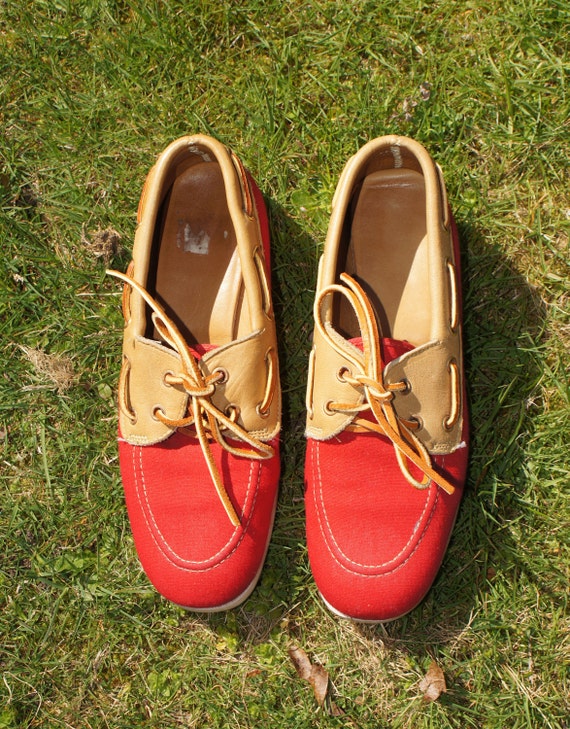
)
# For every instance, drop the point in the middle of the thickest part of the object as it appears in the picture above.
(158, 537)
(328, 535)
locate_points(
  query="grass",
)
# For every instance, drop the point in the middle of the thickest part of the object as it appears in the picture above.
(90, 92)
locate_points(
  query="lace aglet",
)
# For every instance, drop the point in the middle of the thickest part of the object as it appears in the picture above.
(446, 486)
(231, 512)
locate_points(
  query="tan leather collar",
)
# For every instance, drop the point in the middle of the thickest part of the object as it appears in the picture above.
(432, 371)
(146, 361)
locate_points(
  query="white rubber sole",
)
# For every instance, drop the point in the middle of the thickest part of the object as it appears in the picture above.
(360, 620)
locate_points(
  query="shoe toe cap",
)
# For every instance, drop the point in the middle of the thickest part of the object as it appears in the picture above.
(186, 543)
(375, 542)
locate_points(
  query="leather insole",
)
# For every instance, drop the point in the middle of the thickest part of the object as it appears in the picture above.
(387, 253)
(198, 275)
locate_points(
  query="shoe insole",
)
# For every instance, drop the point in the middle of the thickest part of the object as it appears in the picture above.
(198, 273)
(387, 252)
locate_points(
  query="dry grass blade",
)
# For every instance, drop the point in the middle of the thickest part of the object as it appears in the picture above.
(56, 368)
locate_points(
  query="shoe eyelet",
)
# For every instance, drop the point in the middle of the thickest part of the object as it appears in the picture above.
(327, 409)
(417, 420)
(407, 386)
(223, 375)
(164, 380)
(341, 374)
(233, 411)
(156, 409)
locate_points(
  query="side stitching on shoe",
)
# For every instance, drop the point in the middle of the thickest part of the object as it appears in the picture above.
(357, 564)
(167, 552)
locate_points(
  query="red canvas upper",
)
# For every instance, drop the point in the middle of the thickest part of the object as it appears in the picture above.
(187, 546)
(375, 542)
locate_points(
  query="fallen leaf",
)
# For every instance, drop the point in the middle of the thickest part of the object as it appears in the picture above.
(301, 662)
(314, 673)
(320, 683)
(433, 683)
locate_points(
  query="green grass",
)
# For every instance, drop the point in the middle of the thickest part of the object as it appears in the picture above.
(90, 92)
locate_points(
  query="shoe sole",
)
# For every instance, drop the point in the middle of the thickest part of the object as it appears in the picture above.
(361, 620)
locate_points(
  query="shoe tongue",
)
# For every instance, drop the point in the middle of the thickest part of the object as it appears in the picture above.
(199, 350)
(391, 348)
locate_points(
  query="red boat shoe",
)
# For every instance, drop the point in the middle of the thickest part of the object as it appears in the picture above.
(387, 419)
(199, 396)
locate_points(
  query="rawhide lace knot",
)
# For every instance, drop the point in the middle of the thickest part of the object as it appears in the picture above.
(367, 375)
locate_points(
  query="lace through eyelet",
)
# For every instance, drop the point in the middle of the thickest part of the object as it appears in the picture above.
(450, 421)
(453, 314)
(266, 294)
(327, 408)
(125, 405)
(233, 412)
(403, 387)
(222, 375)
(166, 377)
(157, 409)
(415, 422)
(262, 413)
(342, 373)
(264, 406)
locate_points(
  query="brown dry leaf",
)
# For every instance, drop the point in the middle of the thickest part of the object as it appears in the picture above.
(314, 673)
(57, 368)
(433, 683)
(320, 683)
(104, 244)
(336, 710)
(425, 90)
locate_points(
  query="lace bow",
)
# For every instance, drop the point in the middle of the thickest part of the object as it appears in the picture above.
(367, 375)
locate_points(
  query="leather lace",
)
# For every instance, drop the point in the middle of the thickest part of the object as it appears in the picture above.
(202, 415)
(367, 375)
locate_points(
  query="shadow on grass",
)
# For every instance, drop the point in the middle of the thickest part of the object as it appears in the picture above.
(503, 322)
(282, 586)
